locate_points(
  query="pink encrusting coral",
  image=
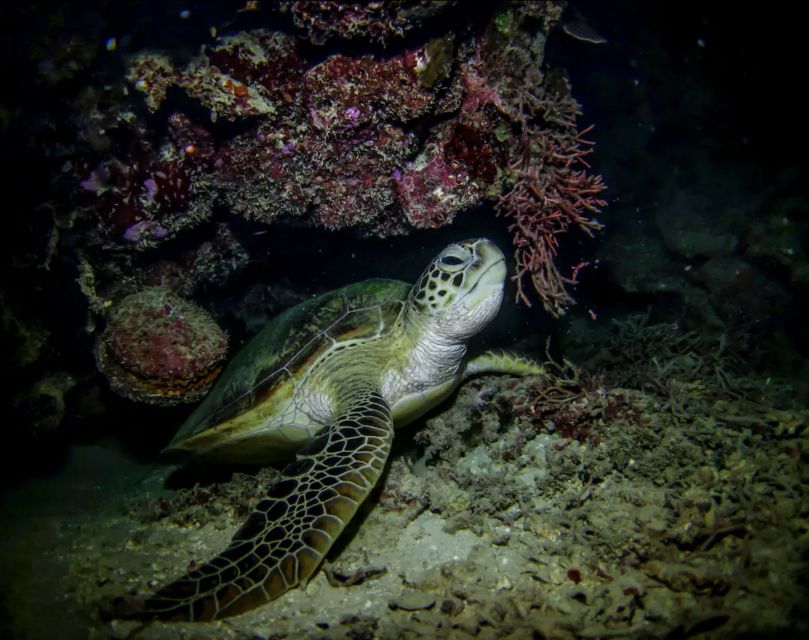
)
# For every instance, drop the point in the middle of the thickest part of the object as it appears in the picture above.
(344, 92)
(442, 181)
(160, 348)
(249, 74)
(359, 190)
(461, 163)
(338, 182)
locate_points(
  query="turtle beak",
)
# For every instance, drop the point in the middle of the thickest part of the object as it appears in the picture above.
(492, 261)
(488, 270)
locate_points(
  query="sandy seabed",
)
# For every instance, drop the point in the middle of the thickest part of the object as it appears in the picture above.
(616, 513)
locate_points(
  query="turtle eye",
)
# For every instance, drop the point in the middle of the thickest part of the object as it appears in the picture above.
(454, 258)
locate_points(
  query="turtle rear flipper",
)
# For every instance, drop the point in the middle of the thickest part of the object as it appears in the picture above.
(284, 540)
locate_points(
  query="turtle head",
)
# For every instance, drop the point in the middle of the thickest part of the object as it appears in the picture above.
(462, 288)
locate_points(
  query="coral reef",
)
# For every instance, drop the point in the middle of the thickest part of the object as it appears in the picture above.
(379, 21)
(659, 492)
(255, 73)
(383, 144)
(160, 348)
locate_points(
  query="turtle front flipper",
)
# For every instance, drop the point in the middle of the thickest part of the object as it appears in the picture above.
(284, 540)
(502, 362)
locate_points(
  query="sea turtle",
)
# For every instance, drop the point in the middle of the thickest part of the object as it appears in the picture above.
(326, 382)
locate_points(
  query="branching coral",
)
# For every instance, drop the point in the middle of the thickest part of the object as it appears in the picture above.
(549, 196)
(552, 191)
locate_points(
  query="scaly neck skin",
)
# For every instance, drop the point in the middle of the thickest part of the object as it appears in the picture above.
(430, 358)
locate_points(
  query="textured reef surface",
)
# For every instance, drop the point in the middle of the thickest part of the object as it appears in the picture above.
(382, 144)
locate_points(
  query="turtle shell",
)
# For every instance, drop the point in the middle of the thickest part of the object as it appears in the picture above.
(268, 365)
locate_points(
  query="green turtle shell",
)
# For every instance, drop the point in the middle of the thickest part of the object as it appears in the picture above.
(265, 372)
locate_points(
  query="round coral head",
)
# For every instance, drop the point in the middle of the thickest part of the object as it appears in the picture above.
(160, 348)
